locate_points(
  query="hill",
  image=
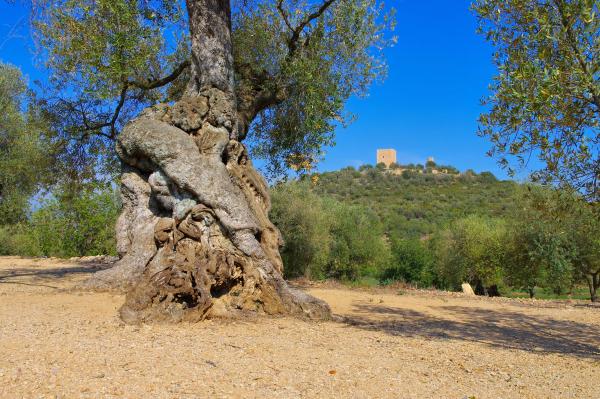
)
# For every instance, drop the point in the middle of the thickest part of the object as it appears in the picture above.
(417, 202)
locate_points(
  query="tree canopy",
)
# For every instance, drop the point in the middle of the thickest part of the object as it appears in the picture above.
(545, 99)
(23, 160)
(296, 63)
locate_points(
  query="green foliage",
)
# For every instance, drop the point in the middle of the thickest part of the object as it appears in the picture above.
(412, 261)
(99, 53)
(110, 58)
(326, 238)
(581, 225)
(66, 226)
(579, 222)
(93, 45)
(301, 217)
(546, 96)
(414, 205)
(538, 250)
(340, 55)
(24, 161)
(472, 250)
(554, 242)
(358, 247)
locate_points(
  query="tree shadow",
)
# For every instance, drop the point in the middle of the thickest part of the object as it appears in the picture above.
(30, 276)
(496, 328)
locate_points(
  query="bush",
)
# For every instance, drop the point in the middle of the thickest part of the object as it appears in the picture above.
(472, 250)
(358, 246)
(65, 227)
(326, 238)
(411, 262)
(300, 216)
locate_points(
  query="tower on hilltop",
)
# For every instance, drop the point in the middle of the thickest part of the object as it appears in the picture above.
(386, 157)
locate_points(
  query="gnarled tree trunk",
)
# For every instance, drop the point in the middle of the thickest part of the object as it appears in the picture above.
(195, 236)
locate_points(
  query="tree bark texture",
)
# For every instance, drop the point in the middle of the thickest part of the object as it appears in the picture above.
(195, 236)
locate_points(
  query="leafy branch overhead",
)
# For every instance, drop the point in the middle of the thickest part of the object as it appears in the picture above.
(545, 100)
(296, 63)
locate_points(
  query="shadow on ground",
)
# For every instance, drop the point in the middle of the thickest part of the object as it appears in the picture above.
(35, 276)
(503, 329)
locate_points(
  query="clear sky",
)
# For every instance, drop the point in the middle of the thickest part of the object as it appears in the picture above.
(428, 106)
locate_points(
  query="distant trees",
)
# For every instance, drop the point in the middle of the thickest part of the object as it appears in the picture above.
(549, 241)
(584, 230)
(327, 238)
(538, 250)
(411, 261)
(358, 245)
(578, 221)
(24, 155)
(545, 100)
(498, 236)
(300, 215)
(65, 226)
(39, 214)
(472, 250)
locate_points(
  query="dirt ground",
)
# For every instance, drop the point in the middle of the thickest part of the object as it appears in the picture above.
(59, 343)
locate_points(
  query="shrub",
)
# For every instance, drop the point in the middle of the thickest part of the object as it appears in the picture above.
(64, 227)
(411, 261)
(472, 250)
(358, 246)
(300, 216)
(327, 238)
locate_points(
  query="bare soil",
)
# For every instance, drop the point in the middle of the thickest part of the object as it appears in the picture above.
(57, 342)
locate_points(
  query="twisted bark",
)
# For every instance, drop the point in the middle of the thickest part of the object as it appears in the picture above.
(195, 235)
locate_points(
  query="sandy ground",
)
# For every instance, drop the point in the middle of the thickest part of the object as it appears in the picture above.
(65, 344)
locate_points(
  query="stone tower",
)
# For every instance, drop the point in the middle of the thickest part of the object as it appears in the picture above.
(386, 156)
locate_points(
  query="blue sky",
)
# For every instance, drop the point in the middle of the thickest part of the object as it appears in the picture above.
(438, 72)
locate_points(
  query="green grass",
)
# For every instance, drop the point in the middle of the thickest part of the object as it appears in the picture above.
(363, 282)
(580, 292)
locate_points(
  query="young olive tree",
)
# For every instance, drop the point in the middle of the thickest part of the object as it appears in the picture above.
(194, 235)
(545, 99)
(539, 251)
(472, 251)
(555, 243)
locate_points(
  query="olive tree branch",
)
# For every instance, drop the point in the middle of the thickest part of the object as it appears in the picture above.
(297, 31)
(154, 84)
(575, 48)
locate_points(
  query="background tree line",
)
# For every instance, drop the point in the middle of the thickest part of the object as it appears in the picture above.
(57, 195)
(501, 237)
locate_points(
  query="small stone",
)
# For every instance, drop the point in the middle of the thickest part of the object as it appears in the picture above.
(466, 289)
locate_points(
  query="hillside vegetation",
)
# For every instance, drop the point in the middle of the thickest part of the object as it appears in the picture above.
(418, 225)
(415, 205)
(381, 225)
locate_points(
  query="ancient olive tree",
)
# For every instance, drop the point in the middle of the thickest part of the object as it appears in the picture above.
(545, 100)
(194, 235)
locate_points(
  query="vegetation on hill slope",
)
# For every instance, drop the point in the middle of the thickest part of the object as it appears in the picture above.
(415, 205)
(383, 226)
(418, 225)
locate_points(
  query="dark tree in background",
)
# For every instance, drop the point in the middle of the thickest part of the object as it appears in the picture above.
(194, 235)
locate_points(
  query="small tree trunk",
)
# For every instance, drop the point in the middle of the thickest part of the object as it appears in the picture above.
(531, 292)
(214, 250)
(593, 285)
